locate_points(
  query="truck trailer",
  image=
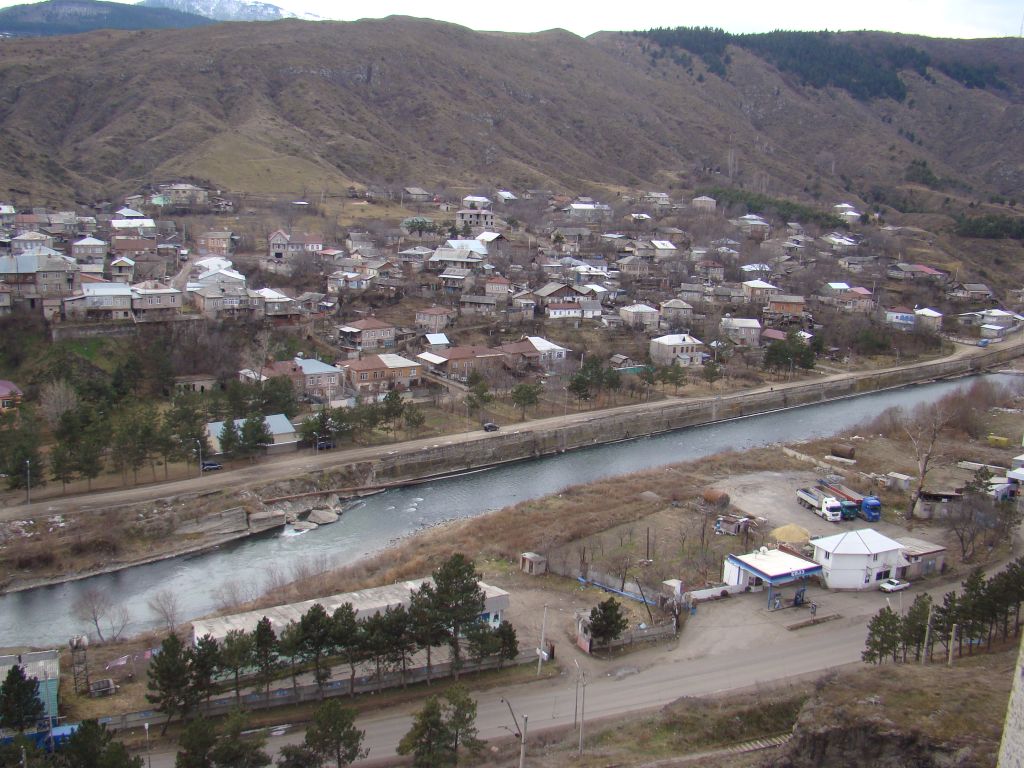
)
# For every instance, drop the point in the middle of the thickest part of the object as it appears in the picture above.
(827, 507)
(866, 507)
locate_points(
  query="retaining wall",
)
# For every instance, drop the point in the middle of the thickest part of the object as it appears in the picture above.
(528, 441)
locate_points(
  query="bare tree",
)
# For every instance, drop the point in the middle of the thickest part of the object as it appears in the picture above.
(165, 605)
(117, 620)
(924, 428)
(55, 399)
(94, 606)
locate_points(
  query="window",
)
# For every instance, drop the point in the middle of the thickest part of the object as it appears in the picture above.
(828, 555)
(874, 558)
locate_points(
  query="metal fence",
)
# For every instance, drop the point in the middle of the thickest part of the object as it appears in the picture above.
(300, 694)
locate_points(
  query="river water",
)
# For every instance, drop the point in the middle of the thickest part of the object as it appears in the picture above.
(44, 615)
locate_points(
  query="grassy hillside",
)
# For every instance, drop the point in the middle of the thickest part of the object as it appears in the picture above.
(291, 105)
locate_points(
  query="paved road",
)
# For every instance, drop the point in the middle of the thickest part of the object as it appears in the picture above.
(550, 703)
(286, 467)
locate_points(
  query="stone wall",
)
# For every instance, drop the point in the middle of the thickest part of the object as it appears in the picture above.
(1011, 751)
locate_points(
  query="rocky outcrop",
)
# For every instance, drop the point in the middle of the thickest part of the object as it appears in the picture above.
(323, 516)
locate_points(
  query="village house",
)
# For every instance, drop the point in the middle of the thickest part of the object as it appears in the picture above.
(558, 293)
(122, 270)
(10, 396)
(590, 213)
(572, 239)
(416, 195)
(459, 362)
(758, 291)
(564, 310)
(741, 331)
(498, 287)
(753, 226)
(226, 301)
(133, 227)
(282, 245)
(901, 271)
(856, 559)
(854, 301)
(366, 335)
(460, 258)
(485, 306)
(476, 202)
(134, 248)
(902, 318)
(434, 319)
(40, 278)
(704, 204)
(100, 301)
(377, 374)
(691, 293)
(633, 265)
(474, 217)
(676, 349)
(184, 195)
(282, 433)
(215, 243)
(6, 299)
(710, 270)
(535, 352)
(676, 312)
(30, 241)
(656, 199)
(928, 319)
(153, 302)
(971, 292)
(784, 308)
(278, 307)
(89, 250)
(640, 316)
(319, 380)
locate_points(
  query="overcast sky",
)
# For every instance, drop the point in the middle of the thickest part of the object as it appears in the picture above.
(936, 18)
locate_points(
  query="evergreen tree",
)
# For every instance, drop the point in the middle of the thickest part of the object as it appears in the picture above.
(235, 750)
(429, 740)
(413, 417)
(426, 622)
(525, 396)
(255, 435)
(317, 634)
(458, 600)
(204, 658)
(914, 627)
(334, 736)
(170, 680)
(884, 632)
(296, 756)
(508, 643)
(398, 641)
(93, 746)
(229, 438)
(196, 743)
(461, 719)
(290, 645)
(62, 464)
(483, 642)
(265, 653)
(235, 655)
(20, 705)
(392, 408)
(606, 621)
(350, 640)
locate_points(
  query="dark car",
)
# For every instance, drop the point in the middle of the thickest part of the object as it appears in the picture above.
(210, 466)
(490, 426)
(324, 445)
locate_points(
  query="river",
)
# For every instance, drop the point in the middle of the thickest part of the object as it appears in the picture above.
(45, 615)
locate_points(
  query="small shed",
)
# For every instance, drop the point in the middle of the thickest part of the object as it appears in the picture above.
(533, 564)
(920, 558)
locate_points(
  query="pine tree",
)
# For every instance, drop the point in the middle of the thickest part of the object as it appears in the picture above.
(508, 643)
(426, 623)
(458, 600)
(229, 438)
(883, 642)
(350, 640)
(333, 734)
(204, 659)
(317, 634)
(265, 653)
(429, 740)
(233, 750)
(606, 621)
(170, 680)
(20, 705)
(235, 655)
(195, 744)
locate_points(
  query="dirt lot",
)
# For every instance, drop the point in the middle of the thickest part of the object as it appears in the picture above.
(773, 495)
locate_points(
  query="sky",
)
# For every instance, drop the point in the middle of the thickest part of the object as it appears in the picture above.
(934, 18)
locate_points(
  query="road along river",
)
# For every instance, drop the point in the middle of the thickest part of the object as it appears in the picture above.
(45, 615)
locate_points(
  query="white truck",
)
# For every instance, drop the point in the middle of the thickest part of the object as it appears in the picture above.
(827, 507)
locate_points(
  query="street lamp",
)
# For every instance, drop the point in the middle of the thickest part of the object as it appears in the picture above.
(28, 481)
(583, 708)
(520, 733)
(149, 755)
(199, 446)
(316, 445)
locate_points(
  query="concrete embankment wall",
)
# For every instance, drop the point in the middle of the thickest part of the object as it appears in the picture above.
(609, 426)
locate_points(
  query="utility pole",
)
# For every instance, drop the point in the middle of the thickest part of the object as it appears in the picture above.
(540, 651)
(583, 708)
(522, 744)
(952, 637)
(927, 634)
(576, 704)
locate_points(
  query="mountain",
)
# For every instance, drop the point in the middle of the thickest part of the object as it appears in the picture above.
(223, 10)
(291, 106)
(69, 17)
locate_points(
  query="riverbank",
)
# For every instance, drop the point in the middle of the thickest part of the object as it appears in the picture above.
(260, 494)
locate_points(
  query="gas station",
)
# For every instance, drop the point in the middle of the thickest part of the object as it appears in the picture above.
(773, 568)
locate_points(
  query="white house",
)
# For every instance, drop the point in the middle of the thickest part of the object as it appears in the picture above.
(676, 349)
(856, 559)
(640, 316)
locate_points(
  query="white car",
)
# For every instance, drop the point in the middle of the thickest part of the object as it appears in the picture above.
(893, 585)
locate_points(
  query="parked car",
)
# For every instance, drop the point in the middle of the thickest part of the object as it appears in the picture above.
(210, 466)
(324, 445)
(893, 585)
(490, 426)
